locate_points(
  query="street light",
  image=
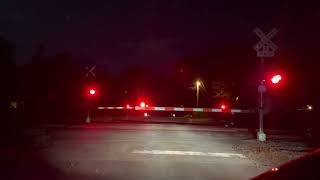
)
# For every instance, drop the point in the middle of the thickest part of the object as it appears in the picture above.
(198, 83)
(309, 107)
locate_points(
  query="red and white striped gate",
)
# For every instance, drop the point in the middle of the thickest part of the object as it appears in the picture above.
(178, 109)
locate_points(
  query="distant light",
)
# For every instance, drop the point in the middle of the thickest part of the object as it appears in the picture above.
(14, 104)
(147, 105)
(309, 107)
(92, 91)
(142, 104)
(237, 98)
(223, 107)
(276, 79)
(173, 115)
(128, 105)
(274, 169)
(145, 114)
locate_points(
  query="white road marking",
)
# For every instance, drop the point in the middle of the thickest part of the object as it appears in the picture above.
(188, 153)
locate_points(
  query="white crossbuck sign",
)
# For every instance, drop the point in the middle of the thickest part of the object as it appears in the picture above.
(90, 71)
(265, 47)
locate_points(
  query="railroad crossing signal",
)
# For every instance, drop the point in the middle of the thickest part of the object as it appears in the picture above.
(265, 47)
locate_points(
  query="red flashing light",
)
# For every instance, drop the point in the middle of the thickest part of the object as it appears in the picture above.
(223, 107)
(142, 104)
(92, 92)
(276, 79)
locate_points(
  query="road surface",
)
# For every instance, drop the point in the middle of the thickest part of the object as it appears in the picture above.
(137, 151)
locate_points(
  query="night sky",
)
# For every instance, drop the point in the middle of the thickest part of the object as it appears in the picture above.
(119, 33)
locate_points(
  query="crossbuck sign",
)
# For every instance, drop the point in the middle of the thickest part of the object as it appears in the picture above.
(265, 47)
(90, 71)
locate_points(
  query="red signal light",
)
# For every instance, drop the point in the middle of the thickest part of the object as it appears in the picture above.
(92, 91)
(223, 107)
(142, 104)
(276, 79)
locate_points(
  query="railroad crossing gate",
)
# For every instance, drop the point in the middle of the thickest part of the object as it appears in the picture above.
(178, 109)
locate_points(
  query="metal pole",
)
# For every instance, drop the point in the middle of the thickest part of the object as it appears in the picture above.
(127, 114)
(261, 135)
(88, 120)
(261, 111)
(262, 68)
(261, 98)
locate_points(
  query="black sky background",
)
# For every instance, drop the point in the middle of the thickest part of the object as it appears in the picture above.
(110, 29)
(156, 34)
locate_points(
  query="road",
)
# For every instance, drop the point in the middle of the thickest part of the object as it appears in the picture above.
(139, 151)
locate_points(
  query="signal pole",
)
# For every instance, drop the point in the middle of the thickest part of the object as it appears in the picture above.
(261, 89)
(265, 48)
(88, 119)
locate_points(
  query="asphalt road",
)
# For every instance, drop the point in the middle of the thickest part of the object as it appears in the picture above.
(137, 151)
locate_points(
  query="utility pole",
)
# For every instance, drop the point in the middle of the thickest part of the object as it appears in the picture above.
(198, 83)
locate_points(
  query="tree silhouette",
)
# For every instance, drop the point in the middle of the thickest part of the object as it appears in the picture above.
(7, 92)
(7, 72)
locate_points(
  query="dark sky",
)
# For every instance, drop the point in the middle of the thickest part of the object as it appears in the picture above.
(121, 32)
